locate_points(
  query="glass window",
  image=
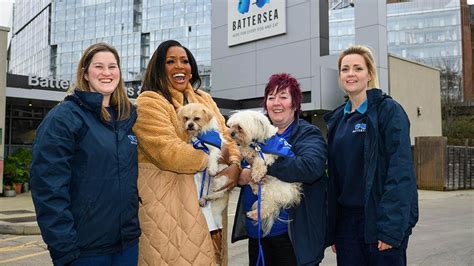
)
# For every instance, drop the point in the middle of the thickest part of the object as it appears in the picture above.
(166, 22)
(179, 21)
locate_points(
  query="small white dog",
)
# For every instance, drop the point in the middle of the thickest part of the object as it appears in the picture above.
(202, 128)
(250, 129)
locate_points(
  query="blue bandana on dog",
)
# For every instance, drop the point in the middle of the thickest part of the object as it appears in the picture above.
(210, 137)
(274, 145)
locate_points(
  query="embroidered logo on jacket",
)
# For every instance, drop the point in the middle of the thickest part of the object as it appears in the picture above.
(133, 139)
(359, 128)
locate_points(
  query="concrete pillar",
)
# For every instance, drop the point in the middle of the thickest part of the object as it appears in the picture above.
(371, 30)
(3, 99)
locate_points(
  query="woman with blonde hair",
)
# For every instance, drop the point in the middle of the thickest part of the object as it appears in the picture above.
(370, 164)
(84, 168)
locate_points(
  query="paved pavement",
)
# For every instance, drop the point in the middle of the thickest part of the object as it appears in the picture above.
(17, 215)
(443, 236)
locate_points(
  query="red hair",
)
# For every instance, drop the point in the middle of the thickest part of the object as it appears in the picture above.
(280, 82)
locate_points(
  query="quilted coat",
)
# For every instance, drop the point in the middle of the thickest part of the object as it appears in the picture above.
(174, 230)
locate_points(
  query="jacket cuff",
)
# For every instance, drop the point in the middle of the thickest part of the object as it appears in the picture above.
(66, 259)
(389, 240)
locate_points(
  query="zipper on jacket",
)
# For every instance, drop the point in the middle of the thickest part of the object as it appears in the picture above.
(121, 206)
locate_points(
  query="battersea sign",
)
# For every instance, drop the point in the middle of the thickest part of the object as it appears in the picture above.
(132, 88)
(250, 20)
(47, 83)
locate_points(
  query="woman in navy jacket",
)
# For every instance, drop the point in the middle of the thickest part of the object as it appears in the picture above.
(371, 169)
(302, 240)
(84, 169)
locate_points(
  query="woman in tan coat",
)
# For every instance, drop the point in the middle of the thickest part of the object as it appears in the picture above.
(174, 230)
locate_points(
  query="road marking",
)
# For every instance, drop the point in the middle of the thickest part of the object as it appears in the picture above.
(24, 257)
(13, 248)
(11, 238)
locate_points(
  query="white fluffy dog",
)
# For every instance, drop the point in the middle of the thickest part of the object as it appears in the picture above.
(248, 129)
(198, 121)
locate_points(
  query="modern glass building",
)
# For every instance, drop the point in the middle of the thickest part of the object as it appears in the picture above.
(50, 36)
(30, 50)
(422, 30)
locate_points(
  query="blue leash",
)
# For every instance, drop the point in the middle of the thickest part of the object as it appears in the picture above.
(199, 145)
(259, 224)
(278, 146)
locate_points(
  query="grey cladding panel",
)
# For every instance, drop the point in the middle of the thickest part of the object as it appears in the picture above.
(331, 95)
(220, 48)
(297, 27)
(233, 72)
(293, 58)
(219, 13)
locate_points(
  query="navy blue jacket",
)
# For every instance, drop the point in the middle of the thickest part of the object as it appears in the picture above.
(308, 219)
(391, 198)
(84, 180)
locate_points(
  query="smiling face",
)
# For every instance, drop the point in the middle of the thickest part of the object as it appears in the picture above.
(354, 75)
(195, 118)
(103, 75)
(177, 67)
(280, 109)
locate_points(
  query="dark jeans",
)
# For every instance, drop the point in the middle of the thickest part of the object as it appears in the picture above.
(277, 250)
(128, 257)
(352, 250)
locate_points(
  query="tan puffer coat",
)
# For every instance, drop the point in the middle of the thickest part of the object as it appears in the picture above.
(174, 230)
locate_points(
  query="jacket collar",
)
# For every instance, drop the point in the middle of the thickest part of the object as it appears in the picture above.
(90, 100)
(374, 97)
(361, 109)
(295, 122)
(178, 96)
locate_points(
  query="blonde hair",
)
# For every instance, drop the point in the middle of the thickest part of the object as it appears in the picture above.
(366, 53)
(118, 99)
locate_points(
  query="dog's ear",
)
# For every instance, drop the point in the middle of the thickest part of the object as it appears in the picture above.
(207, 114)
(179, 110)
(179, 113)
(266, 126)
(260, 123)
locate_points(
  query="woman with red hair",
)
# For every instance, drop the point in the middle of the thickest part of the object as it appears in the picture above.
(298, 235)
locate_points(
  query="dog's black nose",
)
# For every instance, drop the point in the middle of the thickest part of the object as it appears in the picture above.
(190, 126)
(232, 134)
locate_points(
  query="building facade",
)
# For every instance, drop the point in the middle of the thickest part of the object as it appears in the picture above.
(241, 69)
(436, 33)
(3, 58)
(50, 36)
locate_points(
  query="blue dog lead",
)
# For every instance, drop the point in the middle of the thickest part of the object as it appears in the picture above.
(210, 137)
(278, 146)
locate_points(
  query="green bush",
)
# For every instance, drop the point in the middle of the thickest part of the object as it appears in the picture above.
(461, 128)
(17, 167)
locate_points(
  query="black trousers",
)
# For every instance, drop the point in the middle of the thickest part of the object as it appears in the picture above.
(277, 250)
(351, 249)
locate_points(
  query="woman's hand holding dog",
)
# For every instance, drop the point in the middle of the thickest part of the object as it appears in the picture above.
(232, 172)
(246, 177)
